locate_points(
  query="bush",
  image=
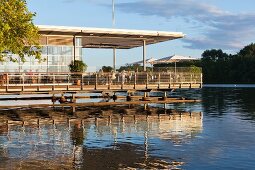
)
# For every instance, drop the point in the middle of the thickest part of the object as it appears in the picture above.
(77, 66)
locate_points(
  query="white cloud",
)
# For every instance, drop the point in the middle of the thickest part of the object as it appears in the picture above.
(224, 29)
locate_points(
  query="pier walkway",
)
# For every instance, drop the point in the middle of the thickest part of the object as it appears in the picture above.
(96, 82)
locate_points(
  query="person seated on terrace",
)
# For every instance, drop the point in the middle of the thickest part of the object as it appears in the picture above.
(123, 76)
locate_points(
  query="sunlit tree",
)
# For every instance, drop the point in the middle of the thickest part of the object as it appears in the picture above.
(18, 34)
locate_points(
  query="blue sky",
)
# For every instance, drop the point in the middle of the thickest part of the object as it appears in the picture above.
(225, 24)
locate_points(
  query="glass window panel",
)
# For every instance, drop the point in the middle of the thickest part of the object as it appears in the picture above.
(44, 50)
(58, 59)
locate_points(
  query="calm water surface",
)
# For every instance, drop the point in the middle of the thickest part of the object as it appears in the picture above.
(222, 137)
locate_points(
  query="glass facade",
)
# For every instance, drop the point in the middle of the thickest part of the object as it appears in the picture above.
(57, 52)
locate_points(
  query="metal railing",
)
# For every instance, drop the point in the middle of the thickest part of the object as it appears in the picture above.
(123, 78)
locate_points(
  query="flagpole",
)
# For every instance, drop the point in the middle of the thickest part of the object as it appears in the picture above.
(113, 25)
(113, 14)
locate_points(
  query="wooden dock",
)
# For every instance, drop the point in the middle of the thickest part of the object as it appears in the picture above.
(147, 100)
(58, 84)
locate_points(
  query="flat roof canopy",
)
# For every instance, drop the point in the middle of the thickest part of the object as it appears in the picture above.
(110, 38)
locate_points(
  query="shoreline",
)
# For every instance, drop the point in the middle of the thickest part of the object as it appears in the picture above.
(229, 85)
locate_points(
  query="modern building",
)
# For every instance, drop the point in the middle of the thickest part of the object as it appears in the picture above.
(61, 45)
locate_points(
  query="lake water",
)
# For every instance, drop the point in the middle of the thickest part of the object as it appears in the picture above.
(222, 136)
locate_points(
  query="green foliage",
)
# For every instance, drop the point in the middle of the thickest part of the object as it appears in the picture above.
(219, 67)
(195, 69)
(107, 68)
(18, 34)
(135, 67)
(215, 60)
(248, 51)
(77, 66)
(191, 66)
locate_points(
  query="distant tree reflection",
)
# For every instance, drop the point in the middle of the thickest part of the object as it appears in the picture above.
(221, 101)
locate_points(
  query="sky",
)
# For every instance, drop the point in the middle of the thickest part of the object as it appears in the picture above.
(212, 24)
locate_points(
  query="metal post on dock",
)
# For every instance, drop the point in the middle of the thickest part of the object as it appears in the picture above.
(135, 81)
(147, 80)
(23, 82)
(122, 81)
(165, 106)
(170, 80)
(7, 82)
(74, 109)
(39, 80)
(81, 81)
(96, 82)
(68, 81)
(73, 98)
(145, 106)
(53, 87)
(109, 81)
(158, 80)
(73, 101)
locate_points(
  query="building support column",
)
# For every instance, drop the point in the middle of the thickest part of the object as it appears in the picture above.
(144, 55)
(47, 53)
(74, 45)
(114, 59)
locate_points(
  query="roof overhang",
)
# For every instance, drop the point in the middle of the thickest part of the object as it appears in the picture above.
(110, 38)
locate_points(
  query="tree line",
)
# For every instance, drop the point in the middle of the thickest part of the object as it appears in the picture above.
(220, 67)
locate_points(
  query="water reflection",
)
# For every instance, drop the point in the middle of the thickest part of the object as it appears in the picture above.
(221, 101)
(40, 140)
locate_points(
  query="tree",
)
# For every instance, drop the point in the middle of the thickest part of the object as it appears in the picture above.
(215, 64)
(77, 66)
(219, 67)
(246, 64)
(18, 34)
(248, 51)
(107, 68)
